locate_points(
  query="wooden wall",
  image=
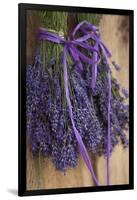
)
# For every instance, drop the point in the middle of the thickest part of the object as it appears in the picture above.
(44, 175)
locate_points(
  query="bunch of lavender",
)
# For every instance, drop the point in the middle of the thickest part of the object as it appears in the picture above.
(119, 110)
(49, 128)
(64, 150)
(37, 104)
(84, 112)
(64, 146)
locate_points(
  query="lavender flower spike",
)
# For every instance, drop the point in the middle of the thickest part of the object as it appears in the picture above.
(125, 92)
(117, 67)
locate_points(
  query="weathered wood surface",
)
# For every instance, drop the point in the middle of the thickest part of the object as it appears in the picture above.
(32, 33)
(44, 176)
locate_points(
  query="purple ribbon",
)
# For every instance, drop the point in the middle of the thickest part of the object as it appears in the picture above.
(90, 32)
(109, 141)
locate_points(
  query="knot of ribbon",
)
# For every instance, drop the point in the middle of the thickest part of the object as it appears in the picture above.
(71, 46)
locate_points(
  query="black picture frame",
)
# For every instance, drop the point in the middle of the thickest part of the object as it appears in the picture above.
(22, 8)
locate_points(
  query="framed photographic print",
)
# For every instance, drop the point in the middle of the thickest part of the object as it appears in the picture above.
(75, 99)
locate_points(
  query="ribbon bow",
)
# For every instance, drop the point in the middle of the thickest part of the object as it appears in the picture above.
(70, 45)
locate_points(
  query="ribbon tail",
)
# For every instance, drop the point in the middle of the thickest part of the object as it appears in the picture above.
(82, 147)
(109, 140)
(108, 54)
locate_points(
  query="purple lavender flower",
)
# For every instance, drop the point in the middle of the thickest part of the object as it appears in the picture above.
(117, 67)
(125, 92)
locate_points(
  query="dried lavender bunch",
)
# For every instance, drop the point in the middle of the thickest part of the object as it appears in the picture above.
(37, 92)
(49, 129)
(64, 146)
(119, 110)
(85, 114)
(65, 150)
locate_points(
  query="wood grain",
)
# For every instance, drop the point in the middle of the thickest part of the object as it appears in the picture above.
(32, 33)
(41, 173)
